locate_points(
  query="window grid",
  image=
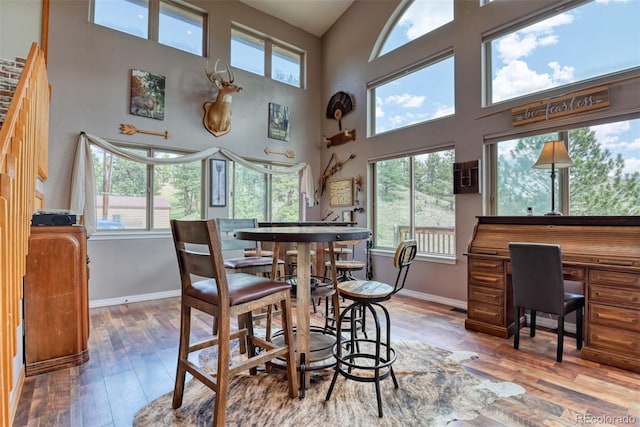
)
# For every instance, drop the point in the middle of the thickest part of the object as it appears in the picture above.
(259, 54)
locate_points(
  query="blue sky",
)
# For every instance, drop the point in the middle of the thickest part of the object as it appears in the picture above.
(598, 38)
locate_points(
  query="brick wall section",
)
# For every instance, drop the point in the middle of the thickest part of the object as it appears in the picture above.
(10, 71)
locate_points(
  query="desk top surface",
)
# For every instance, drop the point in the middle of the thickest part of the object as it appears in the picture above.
(303, 234)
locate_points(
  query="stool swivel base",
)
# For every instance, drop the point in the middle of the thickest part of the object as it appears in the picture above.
(362, 359)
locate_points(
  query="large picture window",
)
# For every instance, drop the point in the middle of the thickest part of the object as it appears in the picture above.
(408, 98)
(267, 197)
(414, 199)
(134, 196)
(604, 181)
(591, 40)
(415, 19)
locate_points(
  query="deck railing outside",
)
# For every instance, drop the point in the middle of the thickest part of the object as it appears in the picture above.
(431, 240)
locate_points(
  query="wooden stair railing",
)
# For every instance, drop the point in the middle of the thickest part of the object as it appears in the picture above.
(23, 158)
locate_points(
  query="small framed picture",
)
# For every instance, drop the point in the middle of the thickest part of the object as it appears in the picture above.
(147, 94)
(218, 171)
(347, 216)
(279, 117)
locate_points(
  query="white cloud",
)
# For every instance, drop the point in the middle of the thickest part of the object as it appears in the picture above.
(405, 100)
(561, 73)
(379, 110)
(522, 43)
(425, 15)
(396, 121)
(444, 110)
(631, 165)
(635, 145)
(608, 135)
(516, 78)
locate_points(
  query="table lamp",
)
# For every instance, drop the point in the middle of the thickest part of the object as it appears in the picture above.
(553, 156)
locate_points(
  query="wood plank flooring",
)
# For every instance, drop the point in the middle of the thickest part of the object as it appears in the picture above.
(133, 350)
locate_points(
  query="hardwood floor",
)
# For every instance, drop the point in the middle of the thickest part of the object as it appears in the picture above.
(133, 350)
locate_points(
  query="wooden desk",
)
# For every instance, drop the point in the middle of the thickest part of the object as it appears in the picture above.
(304, 236)
(601, 252)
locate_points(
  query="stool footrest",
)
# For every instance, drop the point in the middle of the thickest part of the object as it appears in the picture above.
(363, 363)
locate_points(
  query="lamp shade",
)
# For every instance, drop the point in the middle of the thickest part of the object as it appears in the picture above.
(554, 155)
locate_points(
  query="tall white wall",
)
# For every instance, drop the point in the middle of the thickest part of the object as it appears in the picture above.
(89, 71)
(19, 27)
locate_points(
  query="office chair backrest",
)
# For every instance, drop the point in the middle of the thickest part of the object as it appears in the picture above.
(537, 278)
(405, 254)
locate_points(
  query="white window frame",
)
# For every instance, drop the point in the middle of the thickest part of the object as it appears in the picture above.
(149, 206)
(153, 21)
(269, 43)
(449, 258)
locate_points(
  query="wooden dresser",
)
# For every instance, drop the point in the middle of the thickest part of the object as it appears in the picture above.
(601, 252)
(56, 303)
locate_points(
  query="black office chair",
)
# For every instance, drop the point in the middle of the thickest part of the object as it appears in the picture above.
(538, 285)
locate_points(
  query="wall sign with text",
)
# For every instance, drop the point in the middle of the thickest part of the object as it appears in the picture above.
(562, 106)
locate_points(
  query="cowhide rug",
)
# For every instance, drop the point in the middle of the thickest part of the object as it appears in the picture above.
(434, 390)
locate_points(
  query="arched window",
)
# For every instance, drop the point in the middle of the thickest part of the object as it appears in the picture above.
(412, 19)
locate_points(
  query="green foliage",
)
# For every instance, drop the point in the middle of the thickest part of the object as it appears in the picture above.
(597, 184)
(433, 195)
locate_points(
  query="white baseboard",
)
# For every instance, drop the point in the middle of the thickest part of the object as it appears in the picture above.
(133, 298)
(435, 298)
(542, 321)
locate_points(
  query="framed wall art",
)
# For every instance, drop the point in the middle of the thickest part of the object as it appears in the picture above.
(341, 192)
(279, 118)
(218, 184)
(147, 94)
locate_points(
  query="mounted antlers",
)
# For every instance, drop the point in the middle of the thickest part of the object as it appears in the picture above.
(217, 114)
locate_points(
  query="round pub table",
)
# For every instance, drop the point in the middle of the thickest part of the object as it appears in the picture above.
(304, 236)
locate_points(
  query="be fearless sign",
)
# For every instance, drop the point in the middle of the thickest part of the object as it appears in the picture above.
(563, 106)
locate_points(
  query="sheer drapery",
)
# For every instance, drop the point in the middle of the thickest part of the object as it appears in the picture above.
(83, 197)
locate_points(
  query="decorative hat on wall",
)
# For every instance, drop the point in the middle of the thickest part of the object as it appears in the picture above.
(339, 105)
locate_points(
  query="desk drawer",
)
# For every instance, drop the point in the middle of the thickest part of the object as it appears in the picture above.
(625, 342)
(491, 265)
(614, 278)
(616, 296)
(487, 279)
(486, 295)
(616, 317)
(487, 313)
(574, 273)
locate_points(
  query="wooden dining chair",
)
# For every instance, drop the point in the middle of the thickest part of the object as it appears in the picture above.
(256, 262)
(224, 296)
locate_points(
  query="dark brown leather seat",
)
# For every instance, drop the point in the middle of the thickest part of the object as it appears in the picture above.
(538, 285)
(224, 297)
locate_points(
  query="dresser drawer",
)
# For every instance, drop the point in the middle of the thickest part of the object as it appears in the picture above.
(493, 296)
(618, 340)
(616, 296)
(616, 317)
(487, 313)
(487, 279)
(490, 265)
(614, 278)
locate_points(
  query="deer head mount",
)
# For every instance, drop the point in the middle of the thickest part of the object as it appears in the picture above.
(217, 114)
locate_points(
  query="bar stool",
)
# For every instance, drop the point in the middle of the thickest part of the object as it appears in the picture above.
(364, 359)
